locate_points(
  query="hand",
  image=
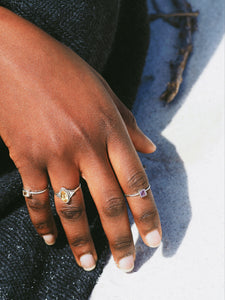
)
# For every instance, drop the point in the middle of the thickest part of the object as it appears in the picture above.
(61, 121)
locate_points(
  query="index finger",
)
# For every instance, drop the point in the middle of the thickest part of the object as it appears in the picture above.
(132, 178)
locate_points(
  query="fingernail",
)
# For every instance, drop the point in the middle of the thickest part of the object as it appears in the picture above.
(153, 239)
(153, 145)
(49, 239)
(87, 262)
(126, 264)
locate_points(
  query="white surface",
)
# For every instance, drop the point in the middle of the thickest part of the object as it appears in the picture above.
(186, 172)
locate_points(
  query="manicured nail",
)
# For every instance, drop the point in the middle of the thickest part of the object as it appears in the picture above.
(126, 264)
(49, 239)
(87, 262)
(153, 239)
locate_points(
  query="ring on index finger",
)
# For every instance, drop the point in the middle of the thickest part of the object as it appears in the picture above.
(142, 193)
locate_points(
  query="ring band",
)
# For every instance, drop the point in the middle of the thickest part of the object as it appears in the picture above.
(142, 193)
(29, 193)
(65, 195)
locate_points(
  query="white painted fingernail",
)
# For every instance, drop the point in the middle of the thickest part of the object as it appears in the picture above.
(126, 264)
(87, 262)
(49, 239)
(153, 239)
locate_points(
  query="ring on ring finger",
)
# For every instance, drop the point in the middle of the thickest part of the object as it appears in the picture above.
(65, 194)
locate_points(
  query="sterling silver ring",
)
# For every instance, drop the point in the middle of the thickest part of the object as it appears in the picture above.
(142, 193)
(29, 193)
(65, 195)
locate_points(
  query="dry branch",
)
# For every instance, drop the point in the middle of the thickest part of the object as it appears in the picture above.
(185, 19)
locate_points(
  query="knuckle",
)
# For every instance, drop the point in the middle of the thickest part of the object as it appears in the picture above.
(43, 225)
(122, 244)
(36, 204)
(109, 120)
(20, 159)
(148, 216)
(114, 207)
(80, 241)
(137, 181)
(26, 153)
(71, 212)
(57, 152)
(130, 119)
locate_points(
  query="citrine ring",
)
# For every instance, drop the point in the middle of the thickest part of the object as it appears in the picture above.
(65, 195)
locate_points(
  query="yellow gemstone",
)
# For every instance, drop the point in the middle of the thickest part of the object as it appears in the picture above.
(64, 196)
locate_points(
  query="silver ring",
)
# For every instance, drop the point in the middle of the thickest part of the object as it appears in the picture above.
(65, 195)
(29, 193)
(142, 193)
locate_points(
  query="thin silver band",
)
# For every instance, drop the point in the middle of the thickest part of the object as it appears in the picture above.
(142, 193)
(28, 193)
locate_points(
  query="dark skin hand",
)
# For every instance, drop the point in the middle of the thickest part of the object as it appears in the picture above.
(61, 121)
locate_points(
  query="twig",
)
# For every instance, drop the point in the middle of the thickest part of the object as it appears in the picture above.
(172, 21)
(153, 17)
(177, 70)
(186, 21)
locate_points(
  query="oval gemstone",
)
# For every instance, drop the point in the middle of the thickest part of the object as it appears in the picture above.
(64, 196)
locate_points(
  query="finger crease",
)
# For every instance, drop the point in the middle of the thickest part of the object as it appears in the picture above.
(72, 213)
(147, 217)
(114, 207)
(80, 241)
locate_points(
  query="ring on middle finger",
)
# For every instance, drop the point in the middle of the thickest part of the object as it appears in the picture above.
(65, 194)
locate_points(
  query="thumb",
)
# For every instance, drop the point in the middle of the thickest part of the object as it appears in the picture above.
(141, 142)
